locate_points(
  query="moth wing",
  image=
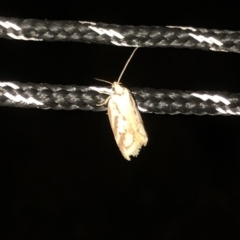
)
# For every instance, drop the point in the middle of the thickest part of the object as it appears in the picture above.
(126, 123)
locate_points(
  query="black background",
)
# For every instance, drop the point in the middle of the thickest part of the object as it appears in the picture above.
(62, 175)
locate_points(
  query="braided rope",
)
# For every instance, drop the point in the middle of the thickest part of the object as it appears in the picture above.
(112, 34)
(71, 97)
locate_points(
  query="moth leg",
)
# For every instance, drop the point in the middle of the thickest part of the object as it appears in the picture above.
(104, 102)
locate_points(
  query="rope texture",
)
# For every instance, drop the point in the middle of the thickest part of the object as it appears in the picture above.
(60, 97)
(128, 36)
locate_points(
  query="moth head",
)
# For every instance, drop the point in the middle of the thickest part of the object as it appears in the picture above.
(117, 88)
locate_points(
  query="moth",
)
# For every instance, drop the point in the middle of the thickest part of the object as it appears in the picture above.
(125, 119)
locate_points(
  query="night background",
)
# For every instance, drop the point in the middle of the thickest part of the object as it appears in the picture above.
(62, 175)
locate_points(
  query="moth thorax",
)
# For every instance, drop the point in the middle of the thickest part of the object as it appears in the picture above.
(117, 88)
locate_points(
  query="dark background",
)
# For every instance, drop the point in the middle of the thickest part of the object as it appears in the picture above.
(62, 175)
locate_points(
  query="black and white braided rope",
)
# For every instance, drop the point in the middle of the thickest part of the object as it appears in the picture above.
(128, 36)
(71, 97)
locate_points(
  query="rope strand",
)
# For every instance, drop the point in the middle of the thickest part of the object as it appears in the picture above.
(128, 36)
(71, 97)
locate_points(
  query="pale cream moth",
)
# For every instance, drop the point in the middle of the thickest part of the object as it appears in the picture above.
(125, 119)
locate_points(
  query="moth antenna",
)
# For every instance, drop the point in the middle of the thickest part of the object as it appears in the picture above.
(102, 80)
(127, 64)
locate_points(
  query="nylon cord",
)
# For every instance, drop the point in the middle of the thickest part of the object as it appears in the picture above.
(113, 34)
(71, 97)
